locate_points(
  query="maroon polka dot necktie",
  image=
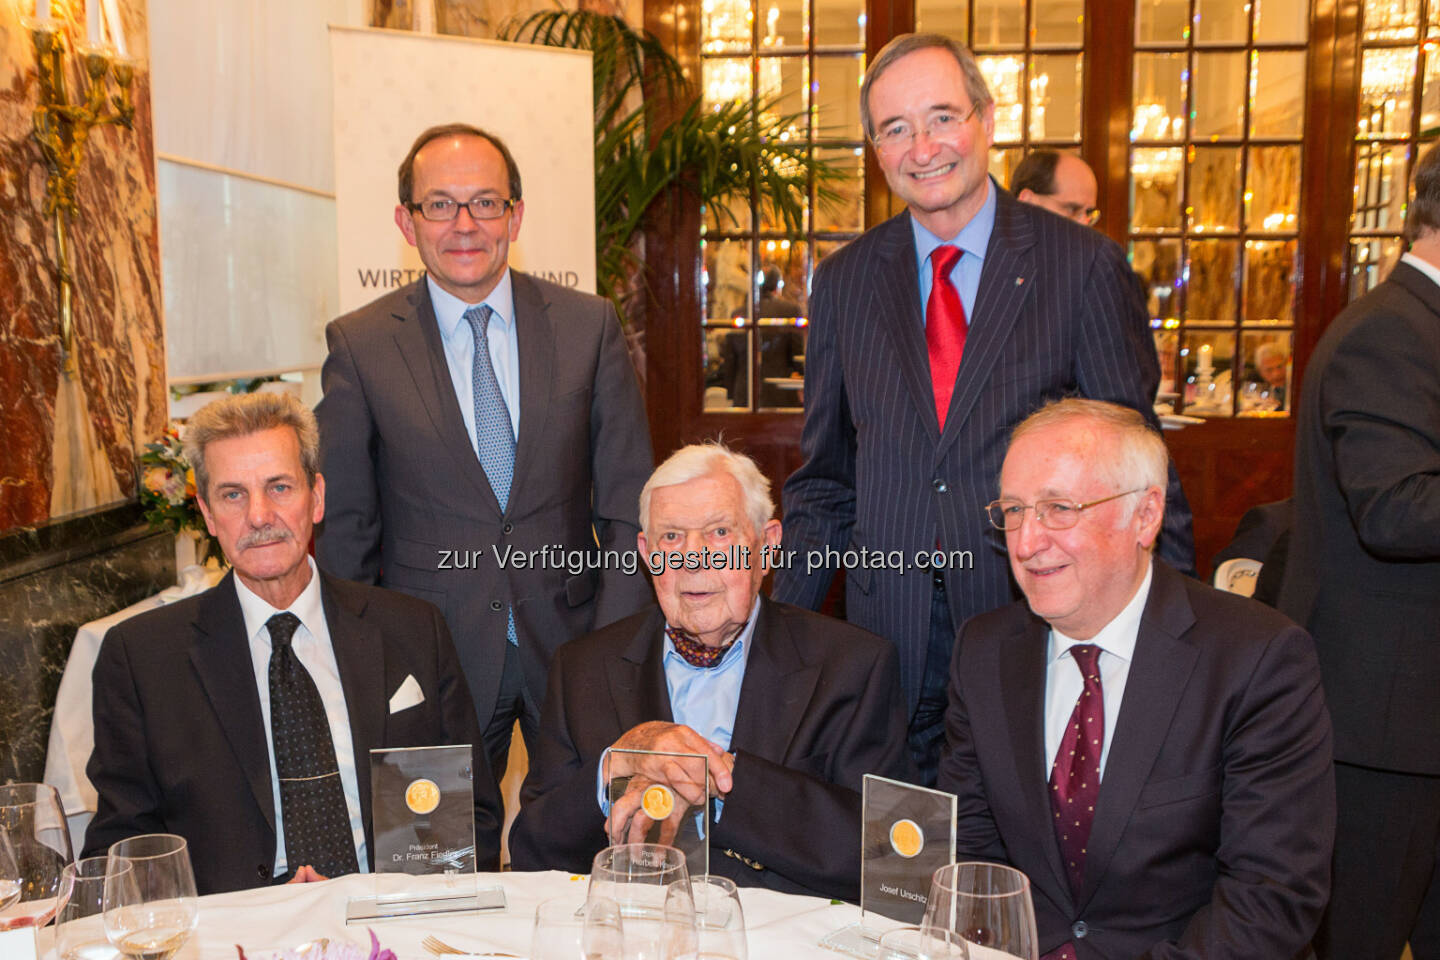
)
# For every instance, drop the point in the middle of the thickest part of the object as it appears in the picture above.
(694, 652)
(1075, 778)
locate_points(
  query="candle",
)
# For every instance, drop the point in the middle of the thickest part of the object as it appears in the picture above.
(93, 34)
(114, 26)
(1207, 362)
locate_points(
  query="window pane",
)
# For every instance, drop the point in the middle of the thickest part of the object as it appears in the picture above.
(1281, 21)
(837, 99)
(1380, 179)
(1272, 196)
(1056, 86)
(1210, 286)
(942, 16)
(1167, 350)
(1157, 264)
(1430, 98)
(1004, 162)
(1205, 359)
(725, 28)
(1218, 86)
(783, 24)
(1159, 97)
(781, 282)
(1221, 21)
(1386, 81)
(727, 368)
(1004, 76)
(1155, 188)
(1162, 22)
(1057, 22)
(847, 211)
(783, 88)
(823, 249)
(1391, 20)
(1265, 388)
(730, 217)
(1277, 93)
(782, 365)
(727, 279)
(839, 22)
(1214, 189)
(998, 24)
(1370, 262)
(725, 79)
(1269, 282)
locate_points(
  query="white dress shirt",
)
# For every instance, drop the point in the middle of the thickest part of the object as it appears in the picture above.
(311, 645)
(1063, 683)
(459, 341)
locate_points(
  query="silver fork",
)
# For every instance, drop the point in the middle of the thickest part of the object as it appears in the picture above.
(440, 948)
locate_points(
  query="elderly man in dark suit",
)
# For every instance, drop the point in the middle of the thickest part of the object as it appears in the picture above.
(478, 424)
(1363, 572)
(1154, 754)
(791, 708)
(243, 719)
(930, 336)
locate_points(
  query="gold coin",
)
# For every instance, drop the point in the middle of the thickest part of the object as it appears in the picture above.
(906, 838)
(422, 796)
(657, 802)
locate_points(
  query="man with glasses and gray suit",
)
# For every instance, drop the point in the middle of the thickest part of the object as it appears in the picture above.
(480, 414)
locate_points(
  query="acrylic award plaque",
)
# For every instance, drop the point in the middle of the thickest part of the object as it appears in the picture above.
(660, 798)
(907, 833)
(422, 804)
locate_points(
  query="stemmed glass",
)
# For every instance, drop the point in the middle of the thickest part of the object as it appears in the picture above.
(913, 943)
(987, 905)
(719, 921)
(34, 849)
(150, 903)
(639, 877)
(80, 927)
(594, 932)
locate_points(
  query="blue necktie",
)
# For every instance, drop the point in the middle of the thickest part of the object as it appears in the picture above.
(494, 436)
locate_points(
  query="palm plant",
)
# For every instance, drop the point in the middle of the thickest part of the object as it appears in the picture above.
(719, 154)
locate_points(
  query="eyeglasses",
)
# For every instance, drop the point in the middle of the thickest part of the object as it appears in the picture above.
(898, 135)
(1054, 514)
(481, 208)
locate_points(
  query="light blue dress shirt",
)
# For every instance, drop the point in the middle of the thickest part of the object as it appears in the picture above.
(973, 238)
(705, 699)
(459, 341)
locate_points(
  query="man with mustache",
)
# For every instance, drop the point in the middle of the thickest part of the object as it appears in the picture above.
(483, 411)
(242, 719)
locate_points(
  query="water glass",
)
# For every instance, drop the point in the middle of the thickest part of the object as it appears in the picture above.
(80, 926)
(563, 932)
(150, 903)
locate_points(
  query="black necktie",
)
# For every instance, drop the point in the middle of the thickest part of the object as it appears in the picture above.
(312, 800)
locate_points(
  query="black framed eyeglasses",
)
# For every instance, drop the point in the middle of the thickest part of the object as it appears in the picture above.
(442, 209)
(1054, 514)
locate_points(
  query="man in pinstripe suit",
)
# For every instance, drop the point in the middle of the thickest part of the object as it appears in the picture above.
(931, 336)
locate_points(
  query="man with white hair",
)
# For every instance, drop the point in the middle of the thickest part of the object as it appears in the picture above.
(1154, 754)
(791, 708)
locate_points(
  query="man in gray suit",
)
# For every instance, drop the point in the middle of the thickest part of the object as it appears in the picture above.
(484, 437)
(902, 440)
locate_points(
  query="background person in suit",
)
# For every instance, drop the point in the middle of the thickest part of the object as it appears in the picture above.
(536, 439)
(902, 439)
(1363, 573)
(792, 708)
(1060, 182)
(242, 719)
(1190, 805)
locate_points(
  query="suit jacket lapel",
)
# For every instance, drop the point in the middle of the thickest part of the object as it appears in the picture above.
(417, 337)
(637, 677)
(1153, 689)
(1009, 265)
(220, 654)
(1022, 682)
(897, 308)
(535, 336)
(775, 691)
(360, 657)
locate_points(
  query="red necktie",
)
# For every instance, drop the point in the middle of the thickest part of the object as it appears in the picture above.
(945, 328)
(1075, 778)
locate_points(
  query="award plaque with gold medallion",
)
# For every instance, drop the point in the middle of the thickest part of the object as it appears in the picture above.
(660, 798)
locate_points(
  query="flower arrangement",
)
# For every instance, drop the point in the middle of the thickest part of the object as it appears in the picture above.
(328, 950)
(167, 491)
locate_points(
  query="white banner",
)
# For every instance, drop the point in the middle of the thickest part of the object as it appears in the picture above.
(391, 85)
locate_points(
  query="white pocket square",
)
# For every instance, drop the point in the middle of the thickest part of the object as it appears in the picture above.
(407, 696)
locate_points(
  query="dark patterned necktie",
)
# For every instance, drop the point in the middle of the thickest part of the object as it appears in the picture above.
(694, 652)
(312, 800)
(1075, 778)
(945, 328)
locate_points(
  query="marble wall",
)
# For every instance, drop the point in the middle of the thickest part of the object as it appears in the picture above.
(68, 440)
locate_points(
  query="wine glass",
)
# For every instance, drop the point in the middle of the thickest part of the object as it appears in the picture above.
(913, 943)
(80, 925)
(987, 905)
(638, 877)
(561, 932)
(150, 904)
(719, 921)
(34, 849)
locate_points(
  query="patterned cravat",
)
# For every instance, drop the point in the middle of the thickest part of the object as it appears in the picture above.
(312, 800)
(494, 435)
(1075, 778)
(694, 652)
(945, 328)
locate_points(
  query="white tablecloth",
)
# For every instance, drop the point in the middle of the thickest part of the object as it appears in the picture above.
(780, 926)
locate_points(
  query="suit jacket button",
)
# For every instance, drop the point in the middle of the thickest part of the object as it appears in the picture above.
(940, 485)
(262, 872)
(508, 528)
(496, 605)
(1078, 930)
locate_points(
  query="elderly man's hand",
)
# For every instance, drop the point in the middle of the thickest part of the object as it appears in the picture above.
(629, 823)
(660, 737)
